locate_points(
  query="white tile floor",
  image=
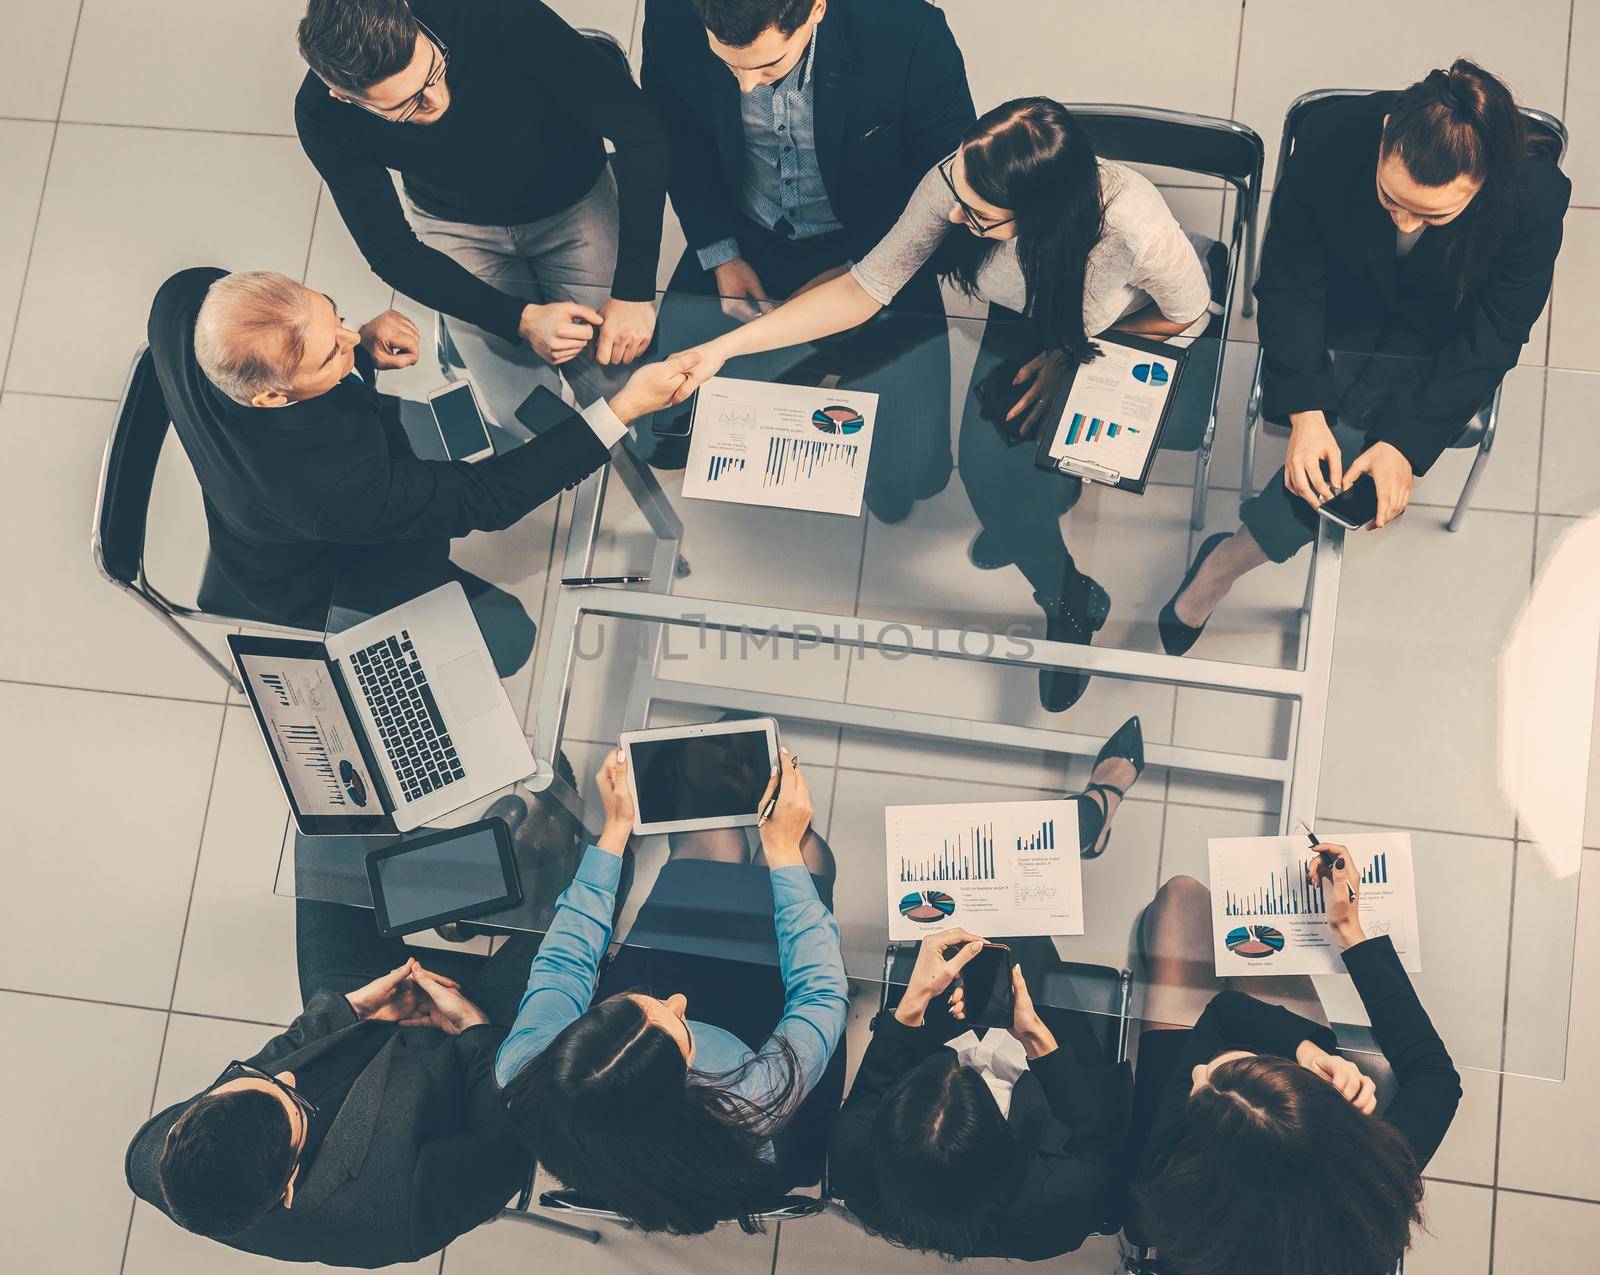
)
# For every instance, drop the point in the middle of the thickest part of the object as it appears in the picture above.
(137, 906)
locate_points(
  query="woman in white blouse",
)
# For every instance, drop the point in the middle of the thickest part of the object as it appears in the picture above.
(1076, 246)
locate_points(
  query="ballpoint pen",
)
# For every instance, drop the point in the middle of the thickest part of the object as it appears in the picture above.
(761, 819)
(1324, 859)
(583, 580)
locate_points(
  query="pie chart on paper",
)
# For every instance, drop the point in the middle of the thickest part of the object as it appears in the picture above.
(1254, 942)
(1150, 373)
(926, 907)
(837, 420)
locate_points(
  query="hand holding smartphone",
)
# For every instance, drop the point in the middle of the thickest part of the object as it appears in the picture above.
(985, 983)
(1355, 507)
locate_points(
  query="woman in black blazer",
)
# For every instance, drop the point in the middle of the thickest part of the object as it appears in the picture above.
(1255, 1146)
(922, 1154)
(1422, 226)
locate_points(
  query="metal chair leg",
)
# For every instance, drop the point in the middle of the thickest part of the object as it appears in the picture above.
(1491, 424)
(1247, 306)
(550, 1224)
(1252, 424)
(1202, 485)
(189, 640)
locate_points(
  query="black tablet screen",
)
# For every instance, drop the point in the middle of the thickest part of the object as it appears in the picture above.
(701, 777)
(449, 876)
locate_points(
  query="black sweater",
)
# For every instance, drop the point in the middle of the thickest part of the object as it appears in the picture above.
(530, 101)
(1068, 1185)
(286, 488)
(1429, 1087)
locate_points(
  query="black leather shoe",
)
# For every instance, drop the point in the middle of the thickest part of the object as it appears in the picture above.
(1127, 743)
(1176, 636)
(987, 551)
(1077, 618)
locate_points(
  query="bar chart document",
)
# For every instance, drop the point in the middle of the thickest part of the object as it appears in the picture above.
(787, 446)
(1269, 909)
(1113, 409)
(1000, 869)
(308, 729)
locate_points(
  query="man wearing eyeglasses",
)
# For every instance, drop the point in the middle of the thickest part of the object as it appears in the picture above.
(799, 130)
(493, 112)
(371, 1131)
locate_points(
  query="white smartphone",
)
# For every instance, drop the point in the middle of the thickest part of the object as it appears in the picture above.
(462, 422)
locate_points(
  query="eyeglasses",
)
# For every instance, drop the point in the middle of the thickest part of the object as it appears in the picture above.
(405, 110)
(237, 1070)
(976, 221)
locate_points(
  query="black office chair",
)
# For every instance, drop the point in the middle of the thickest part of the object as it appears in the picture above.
(444, 348)
(1480, 431)
(122, 509)
(1210, 147)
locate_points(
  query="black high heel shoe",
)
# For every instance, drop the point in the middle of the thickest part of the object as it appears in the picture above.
(1127, 743)
(1176, 636)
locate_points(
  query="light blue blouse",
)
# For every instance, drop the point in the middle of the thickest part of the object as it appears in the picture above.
(562, 980)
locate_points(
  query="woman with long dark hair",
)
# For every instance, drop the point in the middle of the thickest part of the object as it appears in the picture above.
(1071, 245)
(1411, 248)
(1255, 1145)
(682, 1123)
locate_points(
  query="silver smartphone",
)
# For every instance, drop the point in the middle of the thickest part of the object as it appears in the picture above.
(462, 422)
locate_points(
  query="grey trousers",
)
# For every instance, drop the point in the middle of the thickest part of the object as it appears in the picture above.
(569, 256)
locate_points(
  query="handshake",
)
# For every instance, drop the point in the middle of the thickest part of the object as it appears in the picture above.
(657, 386)
(415, 997)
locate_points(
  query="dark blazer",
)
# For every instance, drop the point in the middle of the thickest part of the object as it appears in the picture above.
(419, 1153)
(287, 489)
(1064, 1113)
(1330, 281)
(1429, 1088)
(891, 100)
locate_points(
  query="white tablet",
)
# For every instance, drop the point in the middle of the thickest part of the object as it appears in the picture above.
(685, 778)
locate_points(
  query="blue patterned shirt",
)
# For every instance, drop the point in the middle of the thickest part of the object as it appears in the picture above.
(782, 178)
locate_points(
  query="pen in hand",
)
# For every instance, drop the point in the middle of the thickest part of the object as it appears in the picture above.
(761, 819)
(1325, 859)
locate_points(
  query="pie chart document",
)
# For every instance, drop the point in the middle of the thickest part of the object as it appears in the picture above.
(1269, 909)
(787, 446)
(1000, 869)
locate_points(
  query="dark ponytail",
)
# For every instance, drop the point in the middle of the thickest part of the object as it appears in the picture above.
(1032, 157)
(1464, 123)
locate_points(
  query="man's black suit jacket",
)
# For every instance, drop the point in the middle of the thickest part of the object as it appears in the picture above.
(419, 1153)
(1065, 1114)
(288, 489)
(890, 97)
(1330, 280)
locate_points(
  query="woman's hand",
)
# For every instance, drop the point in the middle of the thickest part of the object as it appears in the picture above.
(705, 361)
(1311, 443)
(1046, 371)
(1342, 1074)
(617, 797)
(1344, 897)
(1391, 475)
(934, 972)
(782, 834)
(1026, 1025)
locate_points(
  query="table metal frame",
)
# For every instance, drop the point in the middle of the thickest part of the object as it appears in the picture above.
(1304, 687)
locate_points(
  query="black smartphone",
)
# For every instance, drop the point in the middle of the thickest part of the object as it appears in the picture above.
(996, 396)
(1355, 506)
(669, 424)
(986, 987)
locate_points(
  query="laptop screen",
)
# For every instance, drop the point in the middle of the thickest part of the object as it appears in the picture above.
(310, 735)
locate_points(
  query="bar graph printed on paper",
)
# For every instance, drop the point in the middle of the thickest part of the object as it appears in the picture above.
(794, 460)
(722, 466)
(304, 744)
(1291, 893)
(1091, 429)
(969, 856)
(1042, 838)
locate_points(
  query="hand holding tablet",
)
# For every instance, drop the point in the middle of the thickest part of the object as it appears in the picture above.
(711, 775)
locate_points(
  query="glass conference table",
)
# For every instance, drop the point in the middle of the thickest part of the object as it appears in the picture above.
(1410, 679)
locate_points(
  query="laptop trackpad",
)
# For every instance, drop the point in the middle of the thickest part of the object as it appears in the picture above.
(466, 687)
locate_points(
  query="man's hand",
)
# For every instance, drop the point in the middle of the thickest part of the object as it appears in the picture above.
(391, 339)
(617, 798)
(782, 834)
(1391, 474)
(1046, 372)
(934, 971)
(708, 361)
(1026, 1025)
(558, 332)
(394, 998)
(816, 281)
(1311, 443)
(625, 330)
(739, 286)
(448, 1010)
(1342, 1074)
(654, 386)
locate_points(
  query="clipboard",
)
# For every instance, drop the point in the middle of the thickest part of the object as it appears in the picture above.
(1112, 412)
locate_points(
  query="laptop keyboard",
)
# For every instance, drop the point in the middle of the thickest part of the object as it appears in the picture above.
(409, 722)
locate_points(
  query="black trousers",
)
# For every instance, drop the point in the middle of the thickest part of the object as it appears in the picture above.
(338, 949)
(903, 355)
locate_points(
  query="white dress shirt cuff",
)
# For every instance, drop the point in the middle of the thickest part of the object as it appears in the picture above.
(603, 421)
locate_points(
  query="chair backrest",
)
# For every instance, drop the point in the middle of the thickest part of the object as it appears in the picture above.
(1201, 144)
(607, 44)
(127, 473)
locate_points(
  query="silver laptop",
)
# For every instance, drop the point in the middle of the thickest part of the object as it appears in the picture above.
(386, 725)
